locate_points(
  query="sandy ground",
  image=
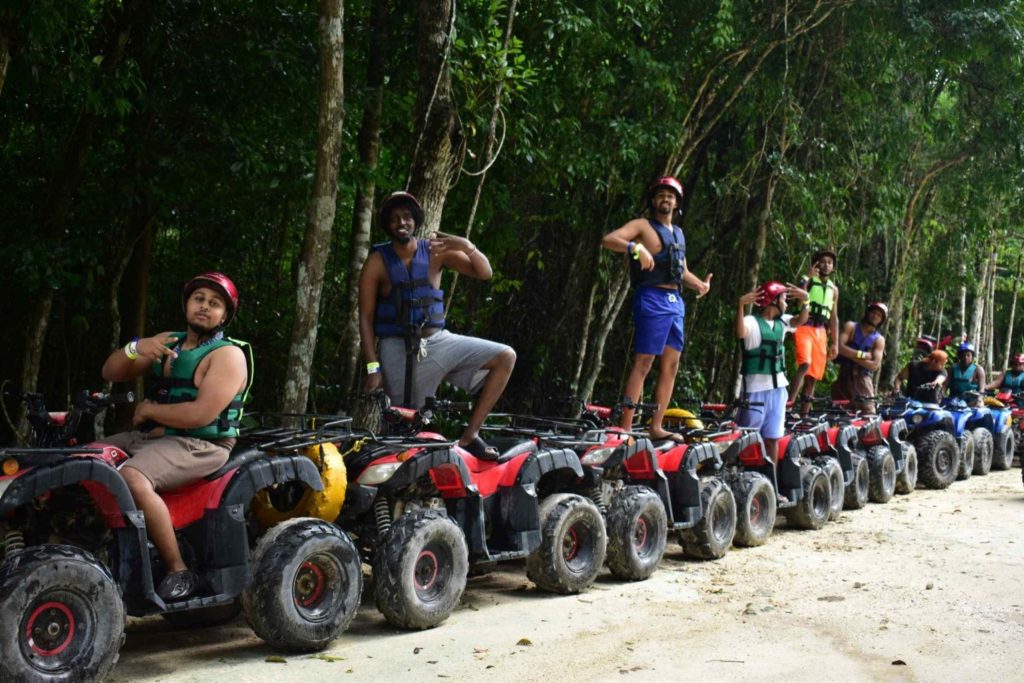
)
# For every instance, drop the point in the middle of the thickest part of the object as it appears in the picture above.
(928, 587)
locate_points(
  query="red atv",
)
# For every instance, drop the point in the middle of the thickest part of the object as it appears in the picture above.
(423, 509)
(800, 488)
(76, 558)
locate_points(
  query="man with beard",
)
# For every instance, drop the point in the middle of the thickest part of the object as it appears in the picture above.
(656, 250)
(401, 305)
(202, 380)
(924, 378)
(811, 339)
(861, 348)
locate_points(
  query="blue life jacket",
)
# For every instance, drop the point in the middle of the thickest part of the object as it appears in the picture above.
(1011, 381)
(962, 380)
(413, 303)
(860, 342)
(669, 263)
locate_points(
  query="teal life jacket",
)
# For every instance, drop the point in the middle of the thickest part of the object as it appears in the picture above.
(769, 357)
(963, 380)
(180, 387)
(1011, 381)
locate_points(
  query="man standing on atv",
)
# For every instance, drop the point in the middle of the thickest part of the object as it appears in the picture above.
(812, 338)
(202, 379)
(401, 305)
(656, 249)
(967, 375)
(764, 363)
(861, 348)
(1013, 379)
(928, 374)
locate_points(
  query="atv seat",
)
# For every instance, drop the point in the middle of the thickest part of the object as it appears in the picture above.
(512, 446)
(238, 457)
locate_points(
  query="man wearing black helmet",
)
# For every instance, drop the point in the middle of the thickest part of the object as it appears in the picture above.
(861, 348)
(202, 380)
(811, 340)
(656, 250)
(401, 306)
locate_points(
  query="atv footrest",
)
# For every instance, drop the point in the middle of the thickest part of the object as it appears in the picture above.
(196, 603)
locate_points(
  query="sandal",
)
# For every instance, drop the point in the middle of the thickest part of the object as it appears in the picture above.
(177, 586)
(478, 448)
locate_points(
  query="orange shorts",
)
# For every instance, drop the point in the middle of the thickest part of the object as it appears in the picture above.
(811, 349)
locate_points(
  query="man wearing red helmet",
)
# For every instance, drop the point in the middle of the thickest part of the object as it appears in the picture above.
(656, 250)
(861, 348)
(401, 306)
(1012, 379)
(764, 367)
(202, 380)
(811, 340)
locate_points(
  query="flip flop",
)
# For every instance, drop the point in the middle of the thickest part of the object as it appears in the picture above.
(668, 436)
(479, 449)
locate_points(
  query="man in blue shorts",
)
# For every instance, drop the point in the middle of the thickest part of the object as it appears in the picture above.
(764, 361)
(657, 267)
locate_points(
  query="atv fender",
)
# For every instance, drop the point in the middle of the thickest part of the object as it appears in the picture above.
(256, 475)
(685, 509)
(105, 484)
(896, 441)
(846, 441)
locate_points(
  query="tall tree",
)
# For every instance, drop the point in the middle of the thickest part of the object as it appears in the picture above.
(322, 208)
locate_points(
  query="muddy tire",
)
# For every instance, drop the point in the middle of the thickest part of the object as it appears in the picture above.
(856, 495)
(755, 509)
(420, 570)
(204, 617)
(637, 533)
(938, 459)
(966, 467)
(837, 487)
(1002, 450)
(882, 467)
(906, 480)
(712, 536)
(984, 451)
(62, 614)
(306, 584)
(812, 511)
(573, 545)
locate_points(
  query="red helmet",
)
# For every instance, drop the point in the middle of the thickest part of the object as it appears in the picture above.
(667, 182)
(220, 283)
(926, 343)
(1018, 359)
(881, 308)
(769, 292)
(400, 198)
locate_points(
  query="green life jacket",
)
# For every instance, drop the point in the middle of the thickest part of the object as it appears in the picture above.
(769, 357)
(821, 299)
(963, 380)
(180, 387)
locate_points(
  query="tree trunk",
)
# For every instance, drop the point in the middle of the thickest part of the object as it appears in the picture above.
(362, 216)
(1013, 314)
(317, 244)
(990, 308)
(588, 318)
(978, 310)
(961, 310)
(5, 55)
(439, 143)
(616, 296)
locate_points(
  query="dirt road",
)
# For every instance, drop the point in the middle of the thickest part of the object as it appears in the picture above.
(929, 587)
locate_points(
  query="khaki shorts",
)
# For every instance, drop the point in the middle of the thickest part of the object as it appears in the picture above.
(171, 461)
(852, 384)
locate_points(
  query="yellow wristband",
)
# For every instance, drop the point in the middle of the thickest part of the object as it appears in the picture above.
(372, 368)
(131, 349)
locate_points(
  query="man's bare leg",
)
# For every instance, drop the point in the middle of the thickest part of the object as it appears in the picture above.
(642, 363)
(499, 370)
(667, 370)
(158, 518)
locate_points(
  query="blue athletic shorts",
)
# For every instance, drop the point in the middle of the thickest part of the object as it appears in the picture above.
(658, 319)
(768, 418)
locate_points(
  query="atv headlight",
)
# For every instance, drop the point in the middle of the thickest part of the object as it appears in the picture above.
(378, 474)
(598, 456)
(916, 419)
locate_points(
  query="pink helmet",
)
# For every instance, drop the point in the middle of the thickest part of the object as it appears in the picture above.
(218, 282)
(667, 182)
(770, 291)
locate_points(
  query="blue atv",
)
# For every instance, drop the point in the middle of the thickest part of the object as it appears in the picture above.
(934, 432)
(993, 433)
(975, 447)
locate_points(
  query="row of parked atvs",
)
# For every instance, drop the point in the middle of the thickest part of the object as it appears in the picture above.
(282, 530)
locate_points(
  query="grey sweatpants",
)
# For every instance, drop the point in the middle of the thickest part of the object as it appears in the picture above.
(445, 357)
